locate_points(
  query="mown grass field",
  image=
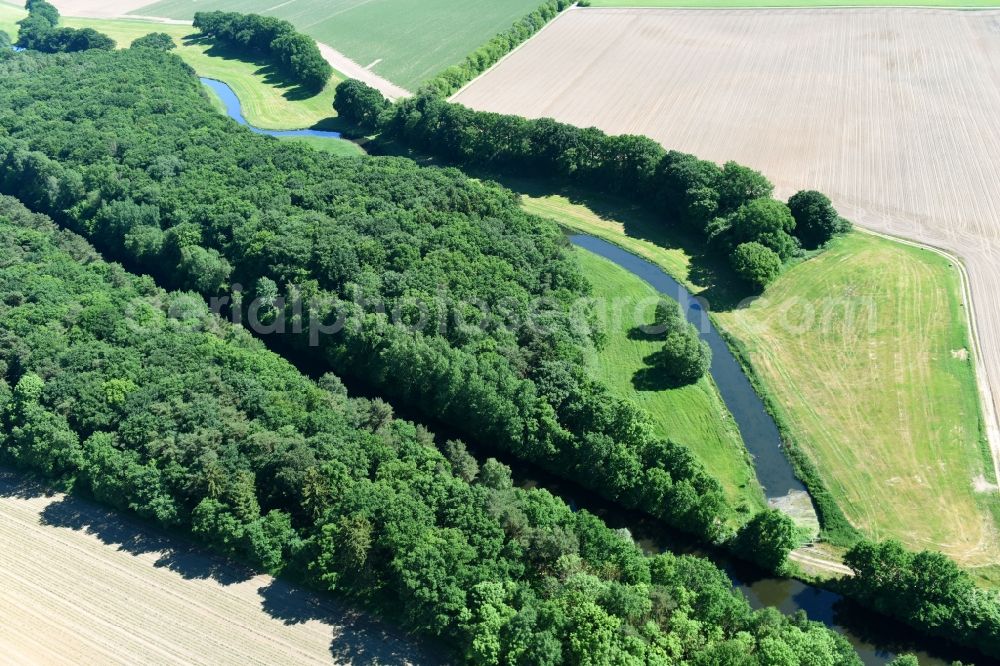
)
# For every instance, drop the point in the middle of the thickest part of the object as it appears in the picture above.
(707, 4)
(408, 41)
(693, 415)
(865, 348)
(268, 100)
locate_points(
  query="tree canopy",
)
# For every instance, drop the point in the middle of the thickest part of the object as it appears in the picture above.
(292, 51)
(151, 403)
(433, 289)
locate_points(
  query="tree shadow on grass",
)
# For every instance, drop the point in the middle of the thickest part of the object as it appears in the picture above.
(653, 377)
(715, 280)
(358, 638)
(273, 75)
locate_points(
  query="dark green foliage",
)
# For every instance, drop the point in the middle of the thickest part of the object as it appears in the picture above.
(272, 38)
(39, 31)
(155, 40)
(487, 55)
(926, 590)
(764, 221)
(170, 413)
(457, 303)
(766, 539)
(740, 185)
(359, 104)
(816, 220)
(757, 264)
(685, 357)
(724, 206)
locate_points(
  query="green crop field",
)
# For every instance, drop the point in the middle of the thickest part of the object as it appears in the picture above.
(865, 348)
(718, 4)
(693, 415)
(408, 41)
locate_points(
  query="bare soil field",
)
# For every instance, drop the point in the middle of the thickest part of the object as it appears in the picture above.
(82, 585)
(894, 113)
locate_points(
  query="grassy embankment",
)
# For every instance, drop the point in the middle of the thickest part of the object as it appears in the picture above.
(736, 4)
(693, 415)
(404, 41)
(863, 352)
(268, 100)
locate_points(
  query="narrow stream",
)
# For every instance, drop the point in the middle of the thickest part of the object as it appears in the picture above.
(876, 638)
(757, 427)
(235, 111)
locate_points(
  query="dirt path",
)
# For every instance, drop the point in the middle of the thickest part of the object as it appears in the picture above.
(353, 70)
(80, 584)
(819, 564)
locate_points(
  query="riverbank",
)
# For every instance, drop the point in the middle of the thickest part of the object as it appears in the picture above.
(854, 395)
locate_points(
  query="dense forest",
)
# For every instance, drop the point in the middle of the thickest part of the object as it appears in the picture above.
(149, 402)
(435, 290)
(40, 31)
(730, 207)
(276, 40)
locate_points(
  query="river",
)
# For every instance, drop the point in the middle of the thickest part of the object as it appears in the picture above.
(877, 639)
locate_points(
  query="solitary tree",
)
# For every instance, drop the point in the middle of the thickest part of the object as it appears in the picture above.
(685, 357)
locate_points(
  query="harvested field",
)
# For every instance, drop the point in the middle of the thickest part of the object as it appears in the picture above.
(84, 585)
(892, 112)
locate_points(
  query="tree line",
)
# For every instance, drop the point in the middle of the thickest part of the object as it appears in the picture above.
(147, 401)
(730, 207)
(490, 53)
(926, 590)
(462, 306)
(40, 31)
(274, 39)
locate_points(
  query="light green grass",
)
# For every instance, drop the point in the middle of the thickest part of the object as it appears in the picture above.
(413, 40)
(863, 347)
(268, 101)
(693, 415)
(333, 146)
(9, 16)
(717, 4)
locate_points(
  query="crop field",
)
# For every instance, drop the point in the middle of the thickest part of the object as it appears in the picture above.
(865, 349)
(703, 4)
(891, 112)
(693, 415)
(406, 41)
(84, 585)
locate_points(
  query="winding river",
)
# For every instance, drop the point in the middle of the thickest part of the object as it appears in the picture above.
(876, 639)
